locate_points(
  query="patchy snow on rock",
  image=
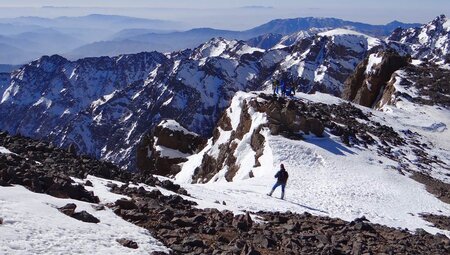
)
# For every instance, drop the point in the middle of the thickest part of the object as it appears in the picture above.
(33, 225)
(175, 126)
(170, 153)
(3, 150)
(374, 59)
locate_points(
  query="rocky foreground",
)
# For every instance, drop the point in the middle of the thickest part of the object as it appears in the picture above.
(176, 222)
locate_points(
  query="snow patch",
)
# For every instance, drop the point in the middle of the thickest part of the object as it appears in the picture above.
(374, 60)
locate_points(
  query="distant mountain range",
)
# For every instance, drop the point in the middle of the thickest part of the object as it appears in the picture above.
(104, 105)
(278, 28)
(27, 38)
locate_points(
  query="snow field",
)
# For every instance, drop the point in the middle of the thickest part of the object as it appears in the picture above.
(33, 225)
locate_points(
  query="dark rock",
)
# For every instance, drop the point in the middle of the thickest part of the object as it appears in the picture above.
(126, 204)
(193, 242)
(180, 222)
(88, 183)
(263, 241)
(199, 219)
(316, 127)
(168, 185)
(98, 207)
(1, 220)
(243, 222)
(85, 217)
(68, 209)
(128, 243)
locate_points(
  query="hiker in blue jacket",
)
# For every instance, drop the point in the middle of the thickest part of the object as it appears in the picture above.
(282, 177)
(283, 88)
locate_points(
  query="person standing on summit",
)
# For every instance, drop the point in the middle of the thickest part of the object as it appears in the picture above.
(282, 177)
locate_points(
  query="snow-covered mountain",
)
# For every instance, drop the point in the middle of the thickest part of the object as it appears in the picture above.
(105, 105)
(430, 41)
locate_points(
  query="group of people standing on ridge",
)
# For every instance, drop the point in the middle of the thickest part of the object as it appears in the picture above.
(279, 86)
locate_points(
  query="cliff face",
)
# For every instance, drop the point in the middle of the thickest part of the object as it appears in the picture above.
(366, 86)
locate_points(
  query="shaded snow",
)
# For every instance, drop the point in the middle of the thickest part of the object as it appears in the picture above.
(170, 153)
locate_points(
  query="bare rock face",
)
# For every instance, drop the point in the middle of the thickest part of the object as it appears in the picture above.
(165, 147)
(367, 84)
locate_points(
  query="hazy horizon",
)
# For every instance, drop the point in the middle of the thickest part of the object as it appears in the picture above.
(233, 15)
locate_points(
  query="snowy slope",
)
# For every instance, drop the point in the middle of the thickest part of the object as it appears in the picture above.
(33, 225)
(326, 176)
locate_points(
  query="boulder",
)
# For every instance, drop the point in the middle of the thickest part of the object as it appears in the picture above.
(126, 204)
(316, 127)
(243, 222)
(85, 217)
(68, 209)
(128, 243)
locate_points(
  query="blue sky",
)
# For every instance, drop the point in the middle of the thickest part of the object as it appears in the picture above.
(223, 14)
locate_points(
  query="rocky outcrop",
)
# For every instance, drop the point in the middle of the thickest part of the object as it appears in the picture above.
(168, 145)
(44, 168)
(366, 86)
(297, 119)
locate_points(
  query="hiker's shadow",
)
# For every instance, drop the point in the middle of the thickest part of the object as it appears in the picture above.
(308, 207)
(328, 144)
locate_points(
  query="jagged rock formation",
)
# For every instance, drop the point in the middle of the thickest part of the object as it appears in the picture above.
(168, 145)
(371, 76)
